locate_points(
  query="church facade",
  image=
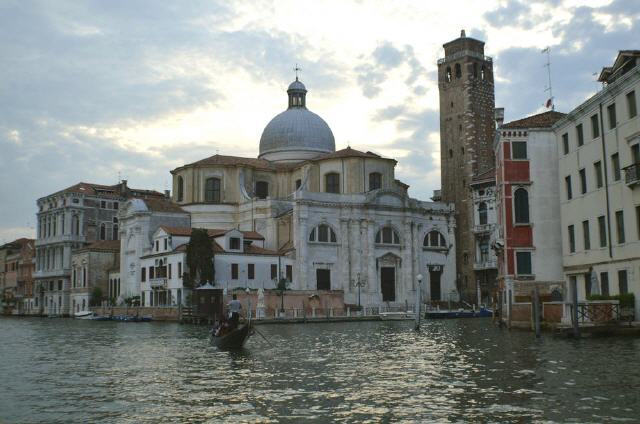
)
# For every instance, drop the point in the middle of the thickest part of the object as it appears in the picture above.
(341, 217)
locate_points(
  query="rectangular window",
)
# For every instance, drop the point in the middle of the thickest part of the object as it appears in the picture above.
(565, 143)
(169, 271)
(518, 150)
(567, 184)
(116, 205)
(323, 279)
(103, 204)
(580, 135)
(523, 263)
(586, 235)
(251, 271)
(234, 271)
(151, 273)
(595, 126)
(332, 183)
(375, 181)
(631, 104)
(274, 271)
(212, 190)
(623, 285)
(298, 184)
(587, 284)
(143, 274)
(615, 166)
(583, 181)
(602, 230)
(289, 273)
(572, 239)
(597, 170)
(620, 226)
(611, 113)
(179, 269)
(165, 244)
(604, 283)
(157, 245)
(234, 243)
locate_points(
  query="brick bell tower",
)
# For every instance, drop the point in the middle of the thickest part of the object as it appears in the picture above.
(467, 130)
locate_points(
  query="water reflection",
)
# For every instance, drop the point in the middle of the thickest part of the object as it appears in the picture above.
(466, 371)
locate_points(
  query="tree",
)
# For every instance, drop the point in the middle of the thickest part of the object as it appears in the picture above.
(199, 259)
(96, 297)
(283, 285)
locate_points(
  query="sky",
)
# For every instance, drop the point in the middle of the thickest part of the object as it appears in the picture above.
(95, 91)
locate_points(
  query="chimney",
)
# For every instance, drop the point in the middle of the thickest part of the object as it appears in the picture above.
(463, 34)
(499, 116)
(167, 194)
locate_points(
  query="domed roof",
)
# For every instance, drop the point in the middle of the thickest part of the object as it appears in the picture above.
(297, 85)
(296, 133)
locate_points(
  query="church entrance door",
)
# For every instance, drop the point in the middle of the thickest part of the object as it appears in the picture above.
(388, 284)
(434, 278)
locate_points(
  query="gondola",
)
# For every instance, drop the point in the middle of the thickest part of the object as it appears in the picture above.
(234, 339)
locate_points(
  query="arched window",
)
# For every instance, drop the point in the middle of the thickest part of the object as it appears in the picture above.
(521, 206)
(103, 232)
(323, 234)
(375, 181)
(180, 189)
(387, 235)
(115, 232)
(434, 239)
(458, 70)
(212, 190)
(262, 189)
(482, 213)
(332, 182)
(482, 73)
(448, 74)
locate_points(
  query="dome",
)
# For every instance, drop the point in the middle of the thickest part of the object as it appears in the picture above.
(297, 133)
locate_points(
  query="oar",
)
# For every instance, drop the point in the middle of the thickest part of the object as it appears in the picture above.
(262, 335)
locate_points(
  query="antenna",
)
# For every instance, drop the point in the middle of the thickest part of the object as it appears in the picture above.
(549, 102)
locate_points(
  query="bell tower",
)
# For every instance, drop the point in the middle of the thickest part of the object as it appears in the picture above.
(467, 129)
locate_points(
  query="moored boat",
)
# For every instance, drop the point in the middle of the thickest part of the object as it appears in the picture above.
(395, 316)
(84, 315)
(460, 313)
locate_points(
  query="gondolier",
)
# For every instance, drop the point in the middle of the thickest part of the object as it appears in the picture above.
(234, 309)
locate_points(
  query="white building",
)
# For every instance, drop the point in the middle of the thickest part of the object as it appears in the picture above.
(599, 175)
(240, 260)
(344, 220)
(139, 220)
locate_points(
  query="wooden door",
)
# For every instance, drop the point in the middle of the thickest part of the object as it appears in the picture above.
(388, 284)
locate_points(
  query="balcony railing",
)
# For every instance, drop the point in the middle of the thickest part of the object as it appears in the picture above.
(158, 282)
(487, 264)
(632, 174)
(484, 228)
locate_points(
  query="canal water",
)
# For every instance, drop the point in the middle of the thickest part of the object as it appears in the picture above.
(64, 370)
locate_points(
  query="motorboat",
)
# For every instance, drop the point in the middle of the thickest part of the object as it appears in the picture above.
(459, 313)
(84, 315)
(397, 316)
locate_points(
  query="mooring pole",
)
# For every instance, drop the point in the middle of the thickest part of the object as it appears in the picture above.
(574, 308)
(418, 301)
(536, 310)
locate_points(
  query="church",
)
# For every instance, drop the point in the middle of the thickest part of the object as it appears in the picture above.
(340, 217)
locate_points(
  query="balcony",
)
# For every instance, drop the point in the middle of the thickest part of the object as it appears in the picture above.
(480, 229)
(486, 264)
(158, 283)
(64, 238)
(632, 174)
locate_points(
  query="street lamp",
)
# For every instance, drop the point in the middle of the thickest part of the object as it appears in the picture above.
(418, 300)
(359, 283)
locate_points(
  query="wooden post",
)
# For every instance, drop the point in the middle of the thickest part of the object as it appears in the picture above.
(536, 310)
(574, 311)
(509, 308)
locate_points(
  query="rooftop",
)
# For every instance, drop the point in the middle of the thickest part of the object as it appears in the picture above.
(108, 191)
(541, 120)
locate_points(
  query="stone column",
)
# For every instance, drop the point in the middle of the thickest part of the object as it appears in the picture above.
(303, 247)
(345, 255)
(356, 249)
(372, 273)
